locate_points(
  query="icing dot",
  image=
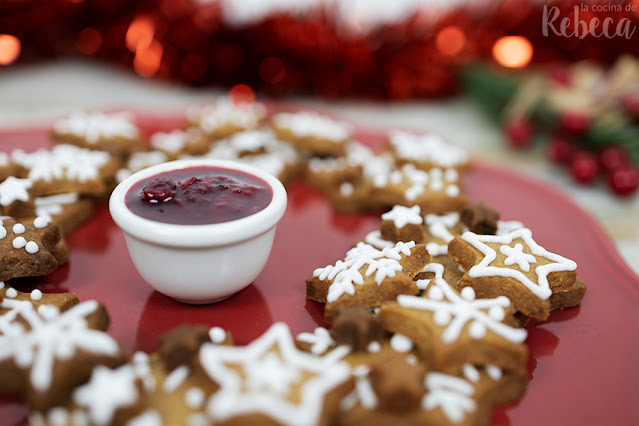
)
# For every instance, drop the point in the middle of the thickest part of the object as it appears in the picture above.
(1, 285)
(497, 313)
(58, 416)
(36, 295)
(441, 317)
(346, 189)
(374, 347)
(477, 330)
(437, 185)
(3, 233)
(452, 190)
(471, 373)
(436, 173)
(19, 242)
(412, 359)
(18, 228)
(468, 293)
(217, 335)
(11, 293)
(194, 397)
(422, 284)
(451, 175)
(435, 293)
(494, 372)
(32, 247)
(40, 222)
(401, 343)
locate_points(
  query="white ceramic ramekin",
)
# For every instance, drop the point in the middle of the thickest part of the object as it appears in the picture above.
(199, 264)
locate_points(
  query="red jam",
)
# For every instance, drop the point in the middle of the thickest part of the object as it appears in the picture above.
(198, 196)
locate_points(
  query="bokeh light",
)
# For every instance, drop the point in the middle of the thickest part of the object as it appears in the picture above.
(450, 40)
(9, 49)
(140, 33)
(513, 51)
(147, 59)
(242, 96)
(89, 41)
(272, 70)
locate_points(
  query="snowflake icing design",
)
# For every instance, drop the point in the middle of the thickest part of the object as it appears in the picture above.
(438, 227)
(382, 263)
(454, 311)
(515, 255)
(34, 348)
(452, 394)
(271, 367)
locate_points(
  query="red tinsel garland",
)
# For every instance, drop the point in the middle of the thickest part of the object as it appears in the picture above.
(189, 41)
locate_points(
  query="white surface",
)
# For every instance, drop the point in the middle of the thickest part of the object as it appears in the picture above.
(33, 93)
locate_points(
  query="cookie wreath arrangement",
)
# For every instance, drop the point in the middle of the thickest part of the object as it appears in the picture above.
(425, 314)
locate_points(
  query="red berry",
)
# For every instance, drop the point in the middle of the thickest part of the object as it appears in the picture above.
(584, 167)
(623, 180)
(518, 132)
(560, 150)
(612, 158)
(574, 122)
(159, 190)
(630, 103)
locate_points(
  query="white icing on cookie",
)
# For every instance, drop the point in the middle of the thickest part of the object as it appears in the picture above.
(374, 238)
(35, 295)
(259, 148)
(18, 228)
(363, 393)
(439, 226)
(194, 398)
(428, 147)
(213, 117)
(515, 254)
(456, 311)
(217, 335)
(46, 207)
(63, 162)
(320, 340)
(345, 274)
(172, 142)
(402, 216)
(107, 391)
(33, 348)
(175, 378)
(13, 189)
(307, 124)
(271, 367)
(401, 343)
(97, 126)
(11, 293)
(451, 394)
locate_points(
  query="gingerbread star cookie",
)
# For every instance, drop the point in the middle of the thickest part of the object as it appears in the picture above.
(367, 276)
(515, 266)
(270, 380)
(427, 150)
(48, 352)
(316, 134)
(67, 168)
(115, 133)
(27, 249)
(451, 328)
(223, 118)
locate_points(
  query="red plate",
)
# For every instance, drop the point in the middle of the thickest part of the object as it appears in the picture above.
(583, 362)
